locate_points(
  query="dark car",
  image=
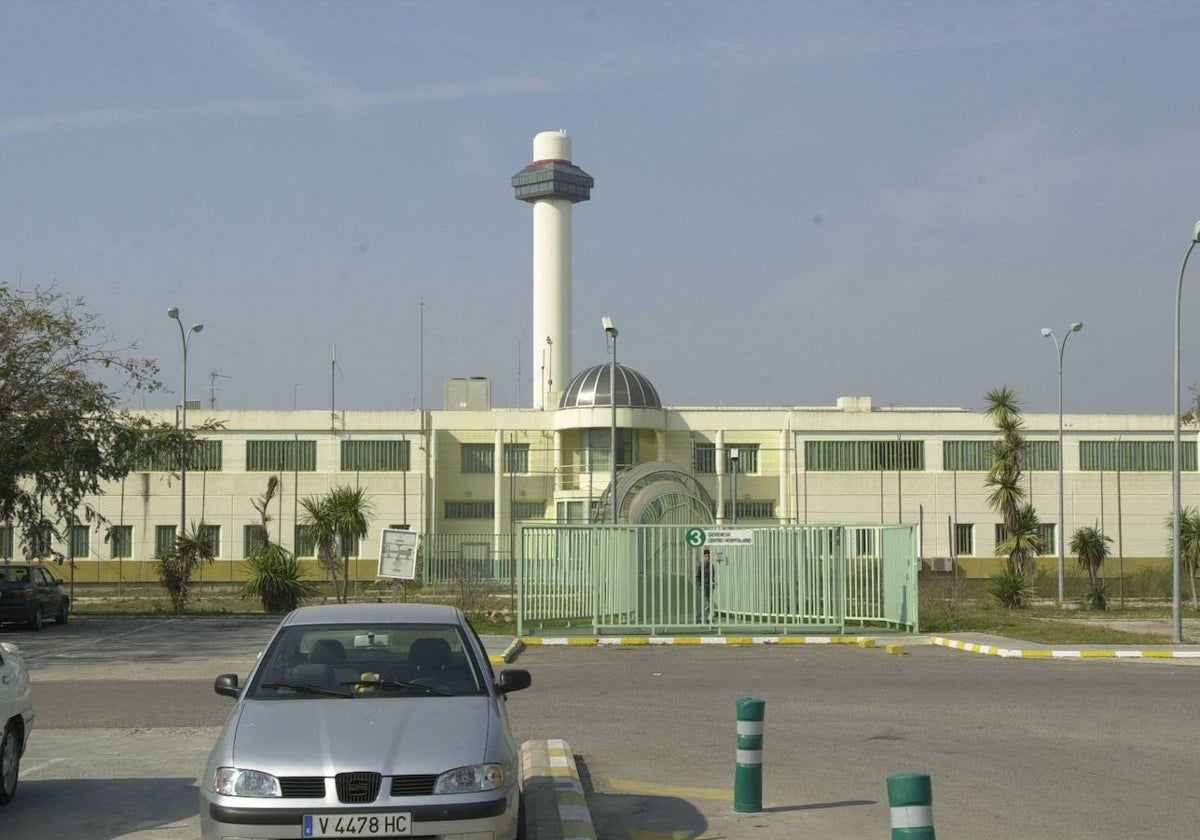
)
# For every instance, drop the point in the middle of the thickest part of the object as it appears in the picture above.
(30, 594)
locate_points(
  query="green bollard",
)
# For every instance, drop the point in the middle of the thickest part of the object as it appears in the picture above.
(747, 778)
(910, 796)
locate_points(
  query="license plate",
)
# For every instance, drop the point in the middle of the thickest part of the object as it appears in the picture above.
(357, 825)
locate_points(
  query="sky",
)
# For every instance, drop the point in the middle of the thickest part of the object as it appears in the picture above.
(794, 201)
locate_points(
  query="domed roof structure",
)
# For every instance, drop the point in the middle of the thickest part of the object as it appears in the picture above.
(593, 387)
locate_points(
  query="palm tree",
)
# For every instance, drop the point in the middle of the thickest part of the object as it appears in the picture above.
(1090, 547)
(177, 564)
(276, 576)
(317, 523)
(350, 513)
(1189, 544)
(1006, 495)
(338, 519)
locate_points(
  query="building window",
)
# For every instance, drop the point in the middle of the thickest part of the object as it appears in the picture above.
(980, 455)
(120, 539)
(252, 537)
(478, 458)
(968, 455)
(211, 535)
(571, 513)
(204, 456)
(864, 455)
(755, 509)
(306, 546)
(39, 544)
(6, 542)
(164, 539)
(528, 510)
(964, 539)
(1041, 455)
(470, 510)
(1135, 455)
(705, 458)
(375, 456)
(516, 457)
(275, 455)
(598, 442)
(353, 543)
(1045, 534)
(77, 542)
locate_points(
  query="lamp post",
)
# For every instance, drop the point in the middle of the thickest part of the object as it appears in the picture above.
(611, 332)
(1061, 348)
(1176, 601)
(734, 458)
(185, 336)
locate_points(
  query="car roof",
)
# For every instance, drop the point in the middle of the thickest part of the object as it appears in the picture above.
(376, 613)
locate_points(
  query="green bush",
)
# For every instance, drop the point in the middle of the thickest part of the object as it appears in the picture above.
(1012, 588)
(276, 579)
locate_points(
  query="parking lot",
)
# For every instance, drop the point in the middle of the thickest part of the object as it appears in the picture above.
(1044, 749)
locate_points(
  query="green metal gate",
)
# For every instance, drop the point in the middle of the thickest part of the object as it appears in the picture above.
(790, 578)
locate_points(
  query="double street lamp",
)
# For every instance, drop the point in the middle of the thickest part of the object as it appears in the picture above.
(1176, 599)
(1061, 348)
(185, 336)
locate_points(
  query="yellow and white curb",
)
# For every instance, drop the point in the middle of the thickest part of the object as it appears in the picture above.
(510, 653)
(568, 791)
(1061, 653)
(684, 641)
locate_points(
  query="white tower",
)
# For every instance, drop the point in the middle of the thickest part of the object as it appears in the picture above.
(552, 184)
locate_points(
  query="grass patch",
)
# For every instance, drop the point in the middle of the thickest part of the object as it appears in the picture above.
(1040, 625)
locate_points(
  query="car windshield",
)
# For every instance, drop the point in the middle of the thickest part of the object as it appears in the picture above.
(368, 661)
(14, 575)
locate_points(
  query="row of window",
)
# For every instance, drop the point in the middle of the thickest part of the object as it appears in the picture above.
(964, 537)
(119, 539)
(820, 455)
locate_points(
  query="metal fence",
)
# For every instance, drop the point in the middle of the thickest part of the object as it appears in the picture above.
(642, 579)
(452, 558)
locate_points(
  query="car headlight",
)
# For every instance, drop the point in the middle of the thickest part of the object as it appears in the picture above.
(232, 781)
(471, 779)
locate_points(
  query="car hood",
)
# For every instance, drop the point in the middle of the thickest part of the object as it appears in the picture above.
(393, 736)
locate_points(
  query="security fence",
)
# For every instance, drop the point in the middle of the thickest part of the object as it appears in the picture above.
(785, 578)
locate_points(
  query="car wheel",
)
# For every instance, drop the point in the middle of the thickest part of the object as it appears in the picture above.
(10, 763)
(35, 623)
(64, 612)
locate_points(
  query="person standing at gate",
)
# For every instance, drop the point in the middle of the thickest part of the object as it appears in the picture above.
(704, 588)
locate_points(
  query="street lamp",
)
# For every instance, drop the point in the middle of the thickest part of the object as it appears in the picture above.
(1176, 602)
(611, 332)
(185, 336)
(1061, 348)
(734, 457)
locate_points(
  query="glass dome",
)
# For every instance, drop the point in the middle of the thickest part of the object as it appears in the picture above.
(593, 387)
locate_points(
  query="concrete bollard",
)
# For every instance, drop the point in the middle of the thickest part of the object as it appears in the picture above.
(747, 778)
(910, 797)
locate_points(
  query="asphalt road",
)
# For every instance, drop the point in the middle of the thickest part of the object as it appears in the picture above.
(1016, 749)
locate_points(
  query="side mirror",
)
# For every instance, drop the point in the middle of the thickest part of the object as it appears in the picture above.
(226, 685)
(513, 679)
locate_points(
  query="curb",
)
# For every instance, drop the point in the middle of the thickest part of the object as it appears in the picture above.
(1057, 653)
(555, 804)
(683, 641)
(510, 653)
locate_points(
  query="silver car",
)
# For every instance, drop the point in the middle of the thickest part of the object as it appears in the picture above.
(371, 720)
(16, 717)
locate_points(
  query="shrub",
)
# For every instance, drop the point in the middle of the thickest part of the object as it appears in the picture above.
(276, 579)
(1012, 588)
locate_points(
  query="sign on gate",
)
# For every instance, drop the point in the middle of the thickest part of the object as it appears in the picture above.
(700, 537)
(398, 554)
